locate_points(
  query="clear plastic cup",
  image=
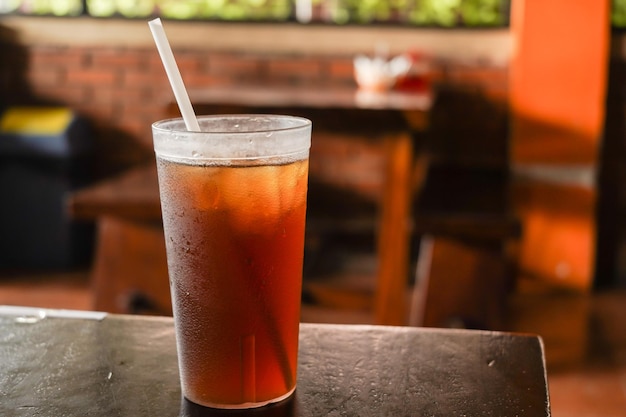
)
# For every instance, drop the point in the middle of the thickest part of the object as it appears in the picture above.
(233, 200)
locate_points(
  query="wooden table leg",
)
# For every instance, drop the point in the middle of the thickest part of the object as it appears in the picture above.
(130, 268)
(393, 241)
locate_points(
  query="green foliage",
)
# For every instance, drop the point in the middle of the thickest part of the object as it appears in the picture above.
(435, 12)
(618, 13)
(442, 13)
(183, 9)
(232, 10)
(193, 9)
(101, 8)
(365, 11)
(482, 12)
(49, 7)
(66, 7)
(125, 8)
(135, 8)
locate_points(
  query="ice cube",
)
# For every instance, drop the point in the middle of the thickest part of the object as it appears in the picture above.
(292, 183)
(252, 197)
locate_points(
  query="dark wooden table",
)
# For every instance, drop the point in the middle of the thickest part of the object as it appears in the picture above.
(392, 119)
(130, 271)
(320, 97)
(119, 365)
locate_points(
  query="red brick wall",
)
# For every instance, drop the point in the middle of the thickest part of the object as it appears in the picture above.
(123, 90)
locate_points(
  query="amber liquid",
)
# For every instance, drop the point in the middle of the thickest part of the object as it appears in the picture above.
(235, 241)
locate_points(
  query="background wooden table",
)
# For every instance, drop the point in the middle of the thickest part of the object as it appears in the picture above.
(130, 270)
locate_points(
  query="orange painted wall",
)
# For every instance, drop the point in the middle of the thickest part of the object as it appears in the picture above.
(558, 245)
(558, 78)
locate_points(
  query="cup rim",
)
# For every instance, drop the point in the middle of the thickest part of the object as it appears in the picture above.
(159, 126)
(236, 137)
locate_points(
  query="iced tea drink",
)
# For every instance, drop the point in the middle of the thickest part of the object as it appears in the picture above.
(233, 200)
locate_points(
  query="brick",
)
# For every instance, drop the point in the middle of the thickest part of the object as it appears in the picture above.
(98, 77)
(200, 80)
(234, 65)
(115, 58)
(153, 61)
(61, 93)
(290, 68)
(152, 78)
(340, 68)
(147, 111)
(45, 76)
(485, 76)
(119, 95)
(143, 110)
(47, 57)
(188, 62)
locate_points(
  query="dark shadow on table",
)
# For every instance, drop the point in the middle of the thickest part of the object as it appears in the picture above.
(283, 408)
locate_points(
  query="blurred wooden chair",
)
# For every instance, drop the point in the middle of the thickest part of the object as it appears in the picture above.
(446, 189)
(463, 221)
(373, 221)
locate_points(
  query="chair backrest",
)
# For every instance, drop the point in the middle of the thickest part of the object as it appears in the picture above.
(467, 147)
(468, 127)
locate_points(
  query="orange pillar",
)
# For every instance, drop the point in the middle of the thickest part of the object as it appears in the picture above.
(558, 77)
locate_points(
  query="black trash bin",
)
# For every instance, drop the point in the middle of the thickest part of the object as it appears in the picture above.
(45, 154)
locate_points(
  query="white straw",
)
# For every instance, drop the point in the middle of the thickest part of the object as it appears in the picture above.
(173, 74)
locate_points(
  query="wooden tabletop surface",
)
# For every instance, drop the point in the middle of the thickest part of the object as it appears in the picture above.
(322, 97)
(133, 194)
(117, 365)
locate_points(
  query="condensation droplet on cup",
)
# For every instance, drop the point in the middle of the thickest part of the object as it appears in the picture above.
(269, 134)
(196, 154)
